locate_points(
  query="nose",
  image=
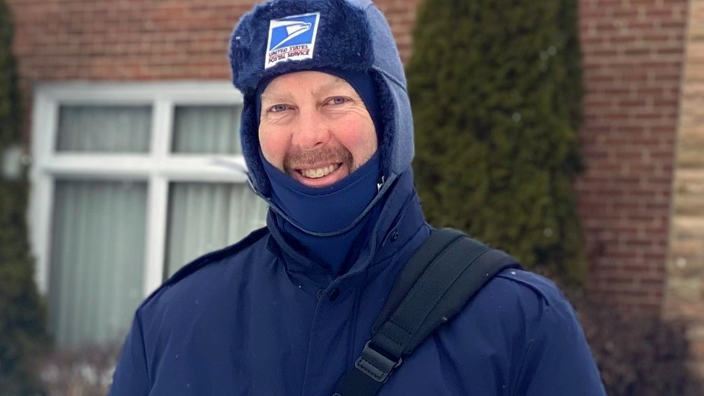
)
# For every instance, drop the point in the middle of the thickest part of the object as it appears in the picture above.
(312, 130)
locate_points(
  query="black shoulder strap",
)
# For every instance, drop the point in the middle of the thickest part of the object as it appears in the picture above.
(436, 283)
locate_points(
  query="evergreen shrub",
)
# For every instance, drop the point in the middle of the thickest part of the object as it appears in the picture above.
(496, 93)
(22, 313)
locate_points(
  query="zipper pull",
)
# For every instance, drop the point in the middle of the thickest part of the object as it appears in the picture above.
(380, 184)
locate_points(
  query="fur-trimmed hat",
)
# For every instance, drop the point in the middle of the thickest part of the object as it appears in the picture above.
(284, 36)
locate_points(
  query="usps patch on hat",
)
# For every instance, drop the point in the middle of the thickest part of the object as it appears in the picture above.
(291, 38)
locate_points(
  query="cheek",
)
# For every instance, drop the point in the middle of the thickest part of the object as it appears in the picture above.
(359, 137)
(274, 146)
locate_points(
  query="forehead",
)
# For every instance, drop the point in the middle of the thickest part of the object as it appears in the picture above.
(306, 82)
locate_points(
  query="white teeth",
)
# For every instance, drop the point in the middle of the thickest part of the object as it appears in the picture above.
(319, 172)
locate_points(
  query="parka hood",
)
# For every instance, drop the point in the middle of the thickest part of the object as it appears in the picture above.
(284, 36)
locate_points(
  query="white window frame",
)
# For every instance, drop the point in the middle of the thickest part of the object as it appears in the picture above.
(157, 168)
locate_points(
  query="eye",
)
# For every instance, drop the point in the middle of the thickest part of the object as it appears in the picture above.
(338, 100)
(277, 108)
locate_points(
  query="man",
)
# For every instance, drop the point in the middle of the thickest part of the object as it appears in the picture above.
(327, 136)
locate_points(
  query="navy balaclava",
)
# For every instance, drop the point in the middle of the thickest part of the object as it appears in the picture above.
(326, 222)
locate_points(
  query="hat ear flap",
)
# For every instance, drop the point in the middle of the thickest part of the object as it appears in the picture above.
(387, 116)
(249, 136)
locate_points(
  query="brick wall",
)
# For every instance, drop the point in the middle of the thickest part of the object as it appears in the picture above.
(686, 264)
(633, 57)
(633, 52)
(685, 283)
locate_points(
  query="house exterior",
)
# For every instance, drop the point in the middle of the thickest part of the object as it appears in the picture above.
(115, 92)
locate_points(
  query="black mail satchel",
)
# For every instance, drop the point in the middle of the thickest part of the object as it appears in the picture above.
(437, 282)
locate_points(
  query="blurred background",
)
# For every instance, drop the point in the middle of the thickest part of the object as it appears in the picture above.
(568, 132)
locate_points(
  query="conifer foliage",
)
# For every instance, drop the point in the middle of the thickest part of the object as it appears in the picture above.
(22, 314)
(496, 93)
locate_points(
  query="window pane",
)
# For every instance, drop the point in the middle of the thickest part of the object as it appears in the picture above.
(207, 130)
(204, 217)
(97, 260)
(112, 129)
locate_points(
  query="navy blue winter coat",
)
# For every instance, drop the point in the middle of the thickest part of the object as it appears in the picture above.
(258, 319)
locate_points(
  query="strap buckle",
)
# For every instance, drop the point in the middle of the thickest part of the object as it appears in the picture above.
(375, 364)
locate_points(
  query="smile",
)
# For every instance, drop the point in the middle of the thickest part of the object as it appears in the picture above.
(317, 173)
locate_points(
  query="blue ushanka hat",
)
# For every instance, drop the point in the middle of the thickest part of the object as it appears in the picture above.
(284, 36)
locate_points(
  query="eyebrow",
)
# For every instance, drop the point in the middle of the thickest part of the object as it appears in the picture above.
(283, 96)
(286, 96)
(329, 86)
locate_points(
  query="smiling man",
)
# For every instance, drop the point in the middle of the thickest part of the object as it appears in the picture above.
(328, 139)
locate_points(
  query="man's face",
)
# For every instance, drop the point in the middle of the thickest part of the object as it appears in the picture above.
(314, 127)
